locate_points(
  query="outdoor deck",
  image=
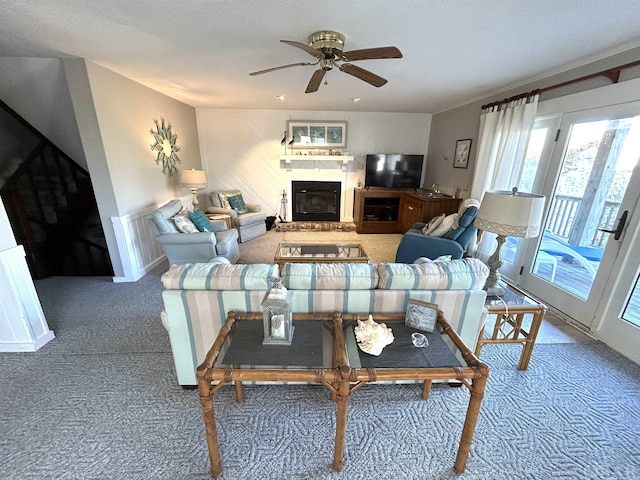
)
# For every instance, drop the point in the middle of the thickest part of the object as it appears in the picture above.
(575, 279)
(571, 275)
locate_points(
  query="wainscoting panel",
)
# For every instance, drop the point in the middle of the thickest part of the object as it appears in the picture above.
(138, 250)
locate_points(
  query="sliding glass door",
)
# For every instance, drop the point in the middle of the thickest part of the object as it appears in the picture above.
(592, 187)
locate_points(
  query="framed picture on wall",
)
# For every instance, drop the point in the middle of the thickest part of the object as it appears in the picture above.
(317, 134)
(461, 159)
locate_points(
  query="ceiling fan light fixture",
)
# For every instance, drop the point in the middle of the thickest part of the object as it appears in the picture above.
(327, 41)
(327, 47)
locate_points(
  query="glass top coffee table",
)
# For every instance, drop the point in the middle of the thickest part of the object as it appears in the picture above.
(324, 351)
(318, 252)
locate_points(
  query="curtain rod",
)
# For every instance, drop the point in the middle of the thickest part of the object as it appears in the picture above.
(612, 74)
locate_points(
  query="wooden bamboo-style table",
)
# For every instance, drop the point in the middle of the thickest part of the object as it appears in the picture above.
(511, 310)
(338, 365)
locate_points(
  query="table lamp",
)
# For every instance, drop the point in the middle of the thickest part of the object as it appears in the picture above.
(508, 214)
(193, 179)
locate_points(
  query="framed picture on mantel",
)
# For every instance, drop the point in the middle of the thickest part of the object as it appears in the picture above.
(461, 159)
(317, 134)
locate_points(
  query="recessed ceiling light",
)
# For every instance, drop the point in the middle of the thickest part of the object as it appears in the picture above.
(354, 100)
(280, 97)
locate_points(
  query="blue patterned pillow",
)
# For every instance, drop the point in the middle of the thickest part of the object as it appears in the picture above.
(237, 203)
(200, 220)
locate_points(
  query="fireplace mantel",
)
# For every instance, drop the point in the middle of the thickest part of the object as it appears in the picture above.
(341, 160)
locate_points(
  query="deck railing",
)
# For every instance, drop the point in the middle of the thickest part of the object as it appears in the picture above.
(563, 211)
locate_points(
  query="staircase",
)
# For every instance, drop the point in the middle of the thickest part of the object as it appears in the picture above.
(52, 210)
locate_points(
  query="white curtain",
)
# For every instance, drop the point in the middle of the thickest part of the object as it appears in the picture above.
(502, 146)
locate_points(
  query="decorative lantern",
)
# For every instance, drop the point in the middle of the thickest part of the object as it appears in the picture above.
(277, 318)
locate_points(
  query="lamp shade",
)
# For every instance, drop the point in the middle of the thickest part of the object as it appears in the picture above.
(193, 179)
(511, 213)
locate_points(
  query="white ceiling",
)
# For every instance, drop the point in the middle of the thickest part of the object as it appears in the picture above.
(201, 52)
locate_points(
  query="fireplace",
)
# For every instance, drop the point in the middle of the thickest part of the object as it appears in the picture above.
(315, 201)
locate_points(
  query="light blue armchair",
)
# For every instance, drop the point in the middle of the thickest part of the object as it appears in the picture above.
(250, 224)
(198, 247)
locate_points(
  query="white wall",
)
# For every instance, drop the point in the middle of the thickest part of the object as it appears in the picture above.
(241, 148)
(36, 88)
(125, 112)
(102, 120)
(23, 326)
(114, 116)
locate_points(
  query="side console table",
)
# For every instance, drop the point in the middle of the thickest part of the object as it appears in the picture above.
(511, 310)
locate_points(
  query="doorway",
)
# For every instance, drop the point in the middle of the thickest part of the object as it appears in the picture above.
(592, 185)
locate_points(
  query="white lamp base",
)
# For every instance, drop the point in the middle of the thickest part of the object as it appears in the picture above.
(194, 201)
(492, 285)
(496, 290)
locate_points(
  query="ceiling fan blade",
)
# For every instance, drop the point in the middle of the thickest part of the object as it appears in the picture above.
(305, 47)
(316, 80)
(363, 74)
(299, 64)
(372, 54)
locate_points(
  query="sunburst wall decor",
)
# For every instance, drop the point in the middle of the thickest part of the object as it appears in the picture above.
(165, 146)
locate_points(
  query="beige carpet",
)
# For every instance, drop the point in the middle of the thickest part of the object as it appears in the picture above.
(380, 248)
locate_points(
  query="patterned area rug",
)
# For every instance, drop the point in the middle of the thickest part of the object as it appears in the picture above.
(101, 401)
(573, 415)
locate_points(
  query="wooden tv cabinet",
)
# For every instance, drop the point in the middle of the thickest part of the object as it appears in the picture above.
(386, 210)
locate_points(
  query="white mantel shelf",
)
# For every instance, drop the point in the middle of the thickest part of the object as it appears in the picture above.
(344, 159)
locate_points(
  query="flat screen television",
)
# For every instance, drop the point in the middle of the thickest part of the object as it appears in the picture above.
(386, 170)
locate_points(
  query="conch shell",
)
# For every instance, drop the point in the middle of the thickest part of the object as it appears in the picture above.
(372, 337)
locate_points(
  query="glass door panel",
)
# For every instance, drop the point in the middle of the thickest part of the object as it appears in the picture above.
(596, 169)
(590, 181)
(536, 160)
(619, 324)
(631, 312)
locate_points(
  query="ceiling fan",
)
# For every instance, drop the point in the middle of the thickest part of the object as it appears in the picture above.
(328, 48)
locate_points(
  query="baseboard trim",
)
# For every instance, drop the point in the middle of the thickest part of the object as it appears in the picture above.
(14, 347)
(139, 273)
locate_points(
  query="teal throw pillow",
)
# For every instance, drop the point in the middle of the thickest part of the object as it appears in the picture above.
(237, 203)
(200, 220)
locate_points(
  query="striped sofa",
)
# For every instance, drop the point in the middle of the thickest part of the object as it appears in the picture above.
(198, 296)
